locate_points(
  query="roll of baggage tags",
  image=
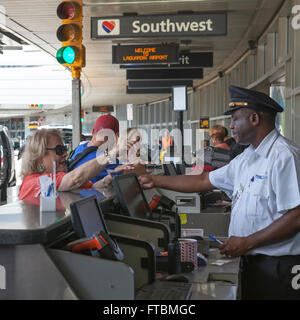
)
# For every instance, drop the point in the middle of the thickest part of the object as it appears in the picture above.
(189, 251)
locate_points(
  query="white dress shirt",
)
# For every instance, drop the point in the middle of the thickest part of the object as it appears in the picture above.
(263, 183)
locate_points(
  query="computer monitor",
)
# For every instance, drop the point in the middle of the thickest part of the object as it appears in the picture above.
(131, 196)
(180, 168)
(87, 217)
(170, 169)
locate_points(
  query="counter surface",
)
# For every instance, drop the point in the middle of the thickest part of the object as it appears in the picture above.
(22, 222)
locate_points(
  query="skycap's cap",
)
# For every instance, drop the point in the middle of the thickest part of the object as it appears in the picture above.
(245, 98)
(106, 121)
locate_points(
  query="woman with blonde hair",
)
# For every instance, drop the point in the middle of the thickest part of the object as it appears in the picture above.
(44, 148)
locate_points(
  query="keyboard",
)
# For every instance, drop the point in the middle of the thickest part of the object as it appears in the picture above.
(165, 290)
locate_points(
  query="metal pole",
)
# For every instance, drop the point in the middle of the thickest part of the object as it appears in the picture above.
(76, 110)
(180, 127)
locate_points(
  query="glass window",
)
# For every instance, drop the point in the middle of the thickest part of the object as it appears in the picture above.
(195, 105)
(246, 73)
(275, 48)
(157, 113)
(162, 112)
(288, 34)
(229, 79)
(208, 105)
(278, 94)
(169, 111)
(237, 76)
(140, 112)
(189, 105)
(213, 98)
(200, 105)
(265, 57)
(146, 114)
(151, 113)
(254, 67)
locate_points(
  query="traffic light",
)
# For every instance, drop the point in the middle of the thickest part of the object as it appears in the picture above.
(81, 116)
(72, 52)
(35, 105)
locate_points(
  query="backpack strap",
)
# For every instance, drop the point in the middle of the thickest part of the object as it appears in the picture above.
(71, 163)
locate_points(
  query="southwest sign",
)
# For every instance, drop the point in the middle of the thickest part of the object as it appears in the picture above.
(206, 24)
(143, 54)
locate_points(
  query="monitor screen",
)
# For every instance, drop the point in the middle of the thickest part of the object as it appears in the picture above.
(131, 196)
(179, 98)
(87, 217)
(170, 169)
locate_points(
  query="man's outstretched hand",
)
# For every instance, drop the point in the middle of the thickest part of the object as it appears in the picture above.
(147, 181)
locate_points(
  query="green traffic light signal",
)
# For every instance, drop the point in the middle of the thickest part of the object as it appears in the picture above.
(72, 53)
(66, 55)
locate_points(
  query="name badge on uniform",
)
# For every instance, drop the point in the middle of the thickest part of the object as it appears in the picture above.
(261, 177)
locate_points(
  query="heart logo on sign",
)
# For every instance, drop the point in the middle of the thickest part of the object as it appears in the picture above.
(108, 26)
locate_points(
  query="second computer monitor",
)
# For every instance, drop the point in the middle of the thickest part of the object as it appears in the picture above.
(170, 169)
(131, 196)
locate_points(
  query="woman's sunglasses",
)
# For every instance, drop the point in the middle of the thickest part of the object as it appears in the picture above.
(59, 149)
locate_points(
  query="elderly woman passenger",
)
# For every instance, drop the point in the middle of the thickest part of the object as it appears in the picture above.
(45, 147)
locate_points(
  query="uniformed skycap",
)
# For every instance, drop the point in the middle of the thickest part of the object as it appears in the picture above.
(245, 98)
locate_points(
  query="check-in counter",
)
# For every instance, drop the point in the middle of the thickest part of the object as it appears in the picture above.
(35, 266)
(157, 233)
(212, 220)
(218, 280)
(185, 202)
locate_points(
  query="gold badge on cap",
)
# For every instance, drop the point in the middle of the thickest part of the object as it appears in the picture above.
(238, 104)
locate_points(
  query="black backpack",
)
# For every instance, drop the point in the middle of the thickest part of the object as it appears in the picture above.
(71, 163)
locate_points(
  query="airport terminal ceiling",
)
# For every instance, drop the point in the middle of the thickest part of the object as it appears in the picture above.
(104, 83)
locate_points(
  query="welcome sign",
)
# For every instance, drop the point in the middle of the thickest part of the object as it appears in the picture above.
(143, 54)
(206, 24)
